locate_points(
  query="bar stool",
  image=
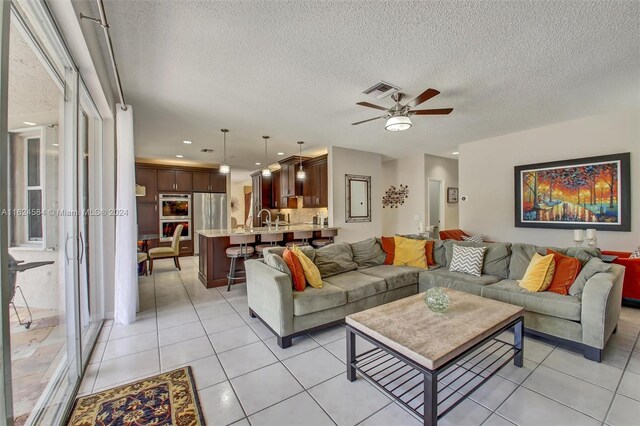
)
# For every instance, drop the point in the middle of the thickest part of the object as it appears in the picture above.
(300, 238)
(240, 249)
(326, 238)
(271, 239)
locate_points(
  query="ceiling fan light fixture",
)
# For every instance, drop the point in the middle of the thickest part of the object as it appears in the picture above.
(398, 123)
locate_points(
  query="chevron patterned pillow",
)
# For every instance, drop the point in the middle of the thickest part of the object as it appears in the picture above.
(467, 260)
(474, 238)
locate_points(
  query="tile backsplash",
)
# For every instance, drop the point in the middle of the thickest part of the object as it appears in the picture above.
(303, 215)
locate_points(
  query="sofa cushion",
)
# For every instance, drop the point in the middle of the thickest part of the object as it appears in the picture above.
(521, 255)
(438, 252)
(308, 251)
(335, 259)
(591, 268)
(277, 262)
(496, 256)
(410, 252)
(358, 285)
(395, 276)
(545, 302)
(444, 278)
(367, 253)
(318, 299)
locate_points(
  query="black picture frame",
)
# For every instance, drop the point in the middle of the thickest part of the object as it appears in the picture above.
(452, 194)
(623, 200)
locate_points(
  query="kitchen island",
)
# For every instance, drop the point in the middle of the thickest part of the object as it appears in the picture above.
(213, 261)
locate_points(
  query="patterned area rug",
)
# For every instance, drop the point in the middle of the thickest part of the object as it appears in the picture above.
(166, 399)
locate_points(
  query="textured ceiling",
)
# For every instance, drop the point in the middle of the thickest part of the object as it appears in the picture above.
(294, 70)
(33, 96)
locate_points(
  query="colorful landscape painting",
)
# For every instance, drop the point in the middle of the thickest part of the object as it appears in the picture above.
(571, 193)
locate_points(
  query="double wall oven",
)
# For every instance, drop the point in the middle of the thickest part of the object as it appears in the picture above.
(175, 209)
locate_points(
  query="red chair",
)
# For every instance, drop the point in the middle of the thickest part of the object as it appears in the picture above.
(453, 234)
(631, 284)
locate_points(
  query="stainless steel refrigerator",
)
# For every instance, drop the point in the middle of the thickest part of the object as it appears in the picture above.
(209, 212)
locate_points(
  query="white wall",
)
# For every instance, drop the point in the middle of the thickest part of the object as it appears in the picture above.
(406, 171)
(445, 169)
(237, 194)
(344, 161)
(486, 175)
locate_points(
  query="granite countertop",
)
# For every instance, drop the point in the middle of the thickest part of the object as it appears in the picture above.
(212, 233)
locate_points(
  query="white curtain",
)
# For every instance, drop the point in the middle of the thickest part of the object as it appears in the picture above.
(126, 285)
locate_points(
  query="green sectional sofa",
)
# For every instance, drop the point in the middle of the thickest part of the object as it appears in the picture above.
(354, 281)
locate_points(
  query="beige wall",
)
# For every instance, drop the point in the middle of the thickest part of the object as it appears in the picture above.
(405, 218)
(445, 169)
(486, 175)
(348, 161)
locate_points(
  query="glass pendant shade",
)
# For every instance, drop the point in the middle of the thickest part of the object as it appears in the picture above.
(266, 172)
(398, 123)
(225, 169)
(301, 174)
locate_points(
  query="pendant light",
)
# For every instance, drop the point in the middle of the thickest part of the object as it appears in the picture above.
(224, 167)
(301, 173)
(266, 172)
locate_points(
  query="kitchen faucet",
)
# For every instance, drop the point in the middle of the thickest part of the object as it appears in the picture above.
(268, 216)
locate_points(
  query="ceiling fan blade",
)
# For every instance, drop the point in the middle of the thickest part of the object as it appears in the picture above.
(440, 111)
(423, 97)
(367, 104)
(364, 121)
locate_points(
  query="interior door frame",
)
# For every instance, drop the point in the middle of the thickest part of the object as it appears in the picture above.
(442, 202)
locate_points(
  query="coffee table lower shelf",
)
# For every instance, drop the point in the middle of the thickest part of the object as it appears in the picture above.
(408, 382)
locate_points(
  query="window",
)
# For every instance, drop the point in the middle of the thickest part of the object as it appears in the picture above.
(34, 189)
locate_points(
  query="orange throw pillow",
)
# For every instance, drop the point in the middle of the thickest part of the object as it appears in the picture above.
(389, 247)
(428, 248)
(567, 269)
(297, 273)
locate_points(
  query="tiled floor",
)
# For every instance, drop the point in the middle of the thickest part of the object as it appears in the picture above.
(244, 378)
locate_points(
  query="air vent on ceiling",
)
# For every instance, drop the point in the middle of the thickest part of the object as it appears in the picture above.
(381, 90)
(206, 150)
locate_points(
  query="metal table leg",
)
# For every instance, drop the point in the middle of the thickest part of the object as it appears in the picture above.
(430, 405)
(351, 355)
(518, 343)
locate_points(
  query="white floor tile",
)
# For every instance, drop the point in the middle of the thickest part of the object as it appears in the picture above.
(246, 358)
(348, 403)
(181, 333)
(185, 352)
(518, 374)
(496, 420)
(329, 335)
(89, 379)
(624, 412)
(299, 345)
(119, 331)
(615, 357)
(223, 323)
(535, 350)
(130, 345)
(527, 408)
(468, 413)
(220, 405)
(622, 341)
(339, 347)
(315, 366)
(582, 368)
(577, 394)
(177, 318)
(265, 387)
(261, 330)
(297, 410)
(634, 362)
(234, 338)
(98, 352)
(392, 415)
(214, 311)
(630, 385)
(127, 369)
(493, 393)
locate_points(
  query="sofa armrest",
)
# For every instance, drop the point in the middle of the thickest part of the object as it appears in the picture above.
(601, 301)
(270, 295)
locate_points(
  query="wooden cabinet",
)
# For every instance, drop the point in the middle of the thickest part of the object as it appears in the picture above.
(290, 186)
(175, 180)
(209, 182)
(148, 178)
(148, 219)
(315, 189)
(276, 199)
(261, 195)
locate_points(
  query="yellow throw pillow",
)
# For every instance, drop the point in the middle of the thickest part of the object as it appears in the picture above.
(311, 272)
(410, 252)
(539, 273)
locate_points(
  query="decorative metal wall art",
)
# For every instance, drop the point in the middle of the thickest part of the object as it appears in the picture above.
(394, 197)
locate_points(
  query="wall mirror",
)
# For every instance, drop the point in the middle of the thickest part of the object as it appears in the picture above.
(358, 198)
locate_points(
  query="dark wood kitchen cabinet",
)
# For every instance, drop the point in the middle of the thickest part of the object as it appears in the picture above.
(148, 178)
(148, 218)
(175, 180)
(315, 188)
(261, 194)
(276, 200)
(290, 186)
(209, 182)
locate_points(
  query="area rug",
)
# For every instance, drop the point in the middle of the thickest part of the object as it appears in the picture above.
(166, 399)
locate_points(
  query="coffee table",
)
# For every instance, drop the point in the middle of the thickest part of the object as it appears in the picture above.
(431, 362)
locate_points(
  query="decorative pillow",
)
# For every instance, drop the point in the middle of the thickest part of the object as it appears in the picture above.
(428, 251)
(335, 259)
(566, 272)
(389, 247)
(635, 254)
(474, 238)
(592, 267)
(539, 273)
(368, 253)
(277, 262)
(297, 273)
(410, 252)
(311, 272)
(467, 260)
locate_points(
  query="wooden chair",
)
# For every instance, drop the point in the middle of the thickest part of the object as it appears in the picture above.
(167, 252)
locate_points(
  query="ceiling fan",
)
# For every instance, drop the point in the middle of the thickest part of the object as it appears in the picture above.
(398, 115)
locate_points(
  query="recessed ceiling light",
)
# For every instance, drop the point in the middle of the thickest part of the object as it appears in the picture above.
(257, 164)
(187, 142)
(29, 123)
(179, 156)
(55, 144)
(281, 153)
(455, 153)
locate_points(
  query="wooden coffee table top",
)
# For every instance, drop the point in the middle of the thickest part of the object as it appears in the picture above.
(410, 328)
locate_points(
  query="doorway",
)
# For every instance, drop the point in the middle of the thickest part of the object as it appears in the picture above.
(435, 209)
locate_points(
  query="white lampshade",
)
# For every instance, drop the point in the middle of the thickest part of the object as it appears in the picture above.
(266, 172)
(398, 123)
(591, 234)
(578, 235)
(225, 169)
(301, 174)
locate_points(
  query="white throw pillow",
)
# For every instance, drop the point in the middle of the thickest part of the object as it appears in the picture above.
(467, 260)
(474, 238)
